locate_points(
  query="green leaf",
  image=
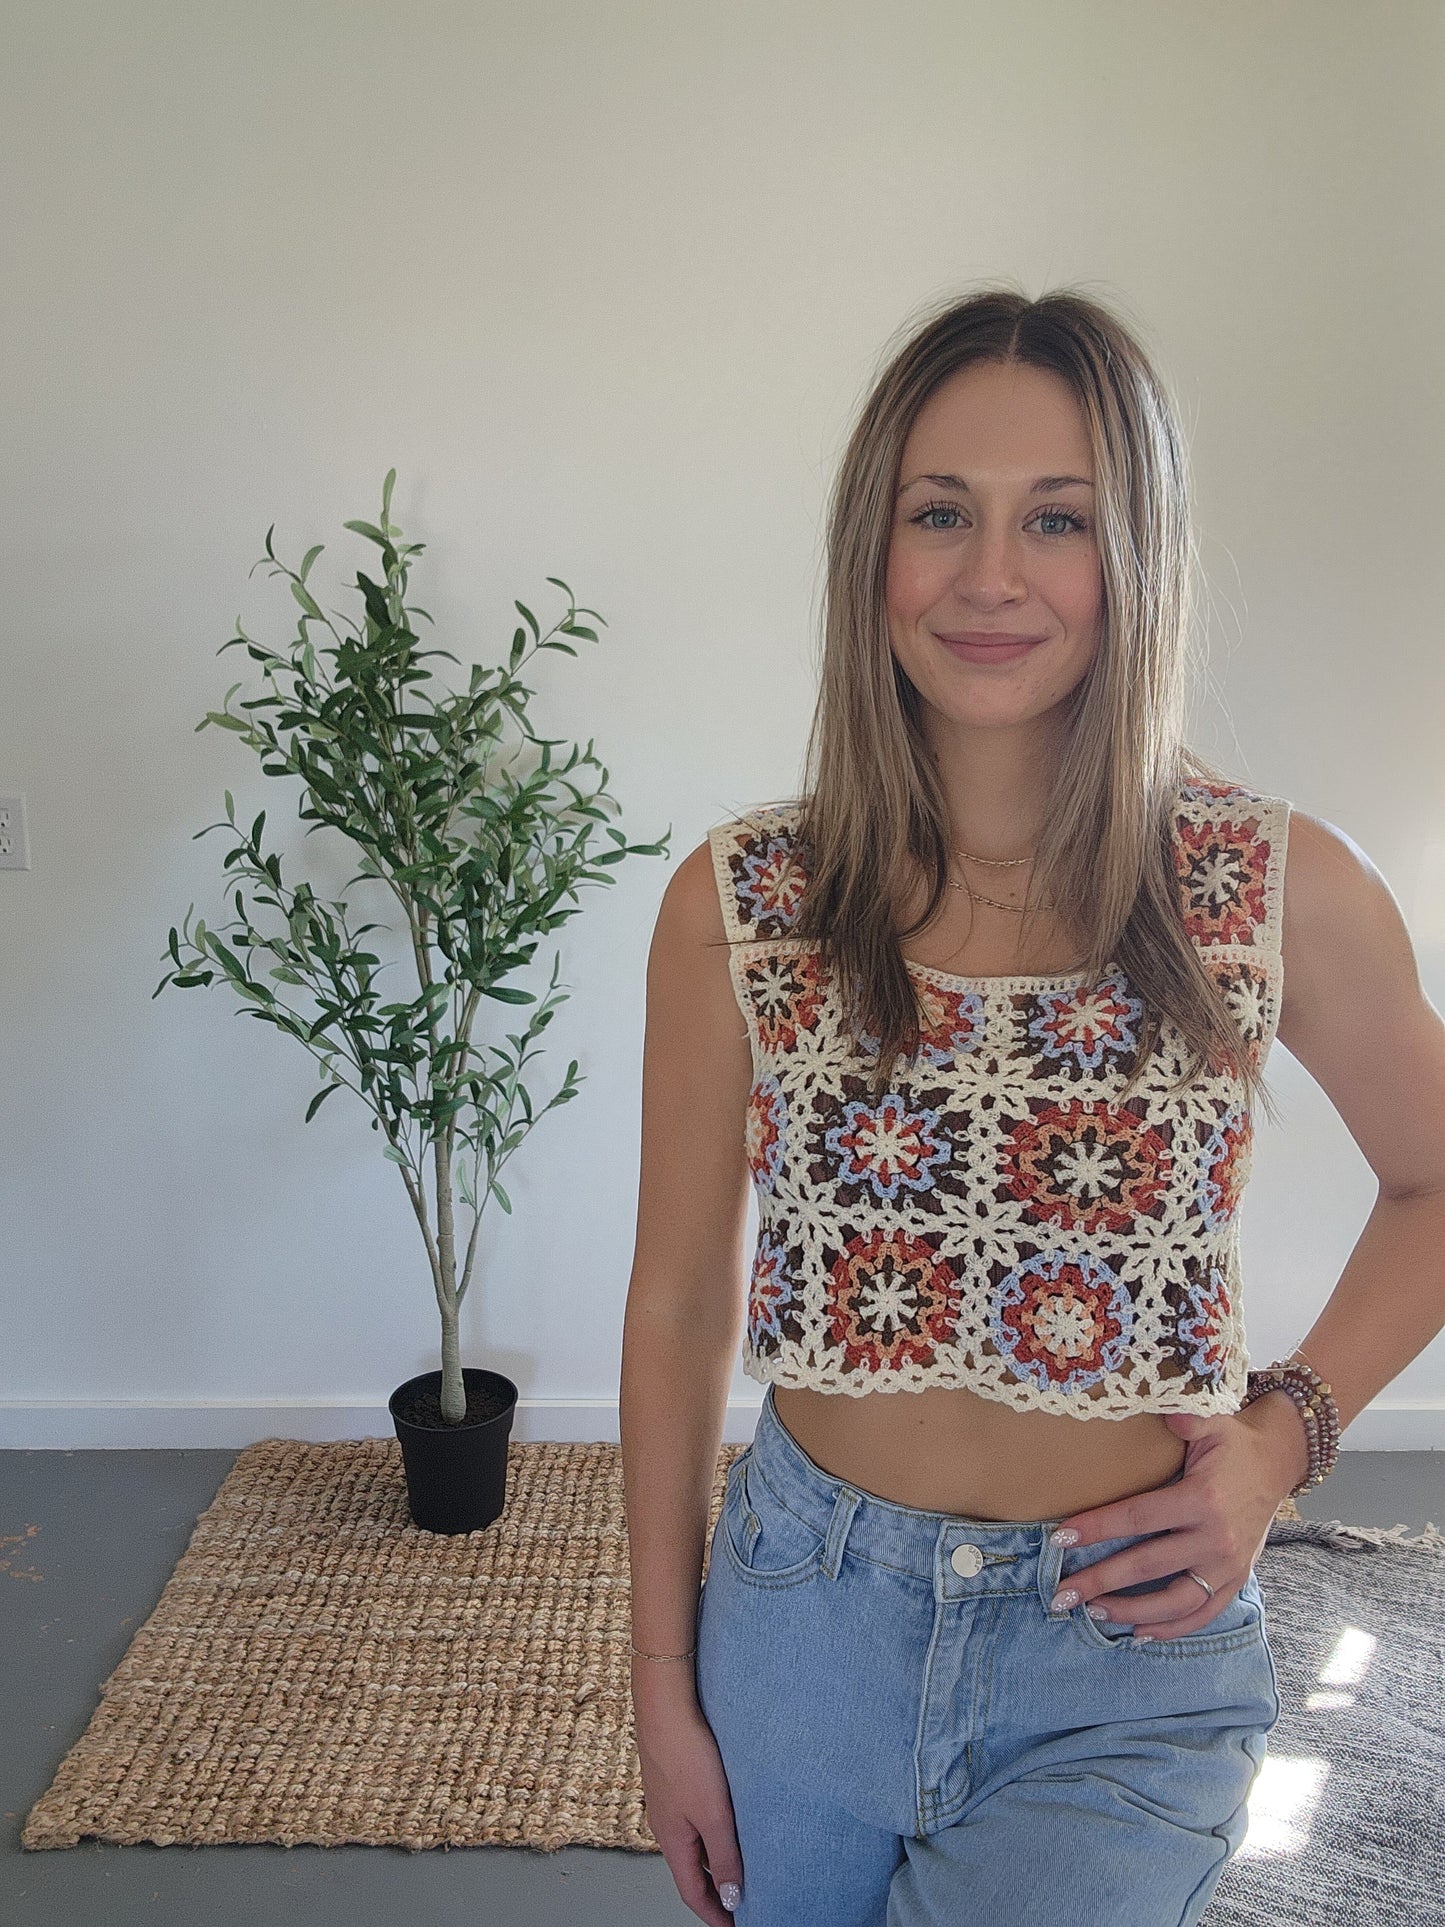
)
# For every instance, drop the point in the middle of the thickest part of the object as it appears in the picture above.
(320, 1098)
(502, 1199)
(308, 601)
(228, 957)
(311, 555)
(376, 605)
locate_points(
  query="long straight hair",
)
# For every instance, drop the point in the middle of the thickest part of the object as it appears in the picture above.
(872, 797)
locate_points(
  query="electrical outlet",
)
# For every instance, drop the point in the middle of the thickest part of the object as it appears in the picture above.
(14, 844)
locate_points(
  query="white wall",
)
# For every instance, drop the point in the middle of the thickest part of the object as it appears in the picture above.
(605, 283)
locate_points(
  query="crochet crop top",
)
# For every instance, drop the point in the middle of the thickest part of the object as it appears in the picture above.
(998, 1221)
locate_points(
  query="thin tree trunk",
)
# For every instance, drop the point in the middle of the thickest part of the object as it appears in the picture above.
(454, 1391)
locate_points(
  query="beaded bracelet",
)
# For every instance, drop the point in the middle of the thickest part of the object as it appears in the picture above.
(1318, 1413)
(1317, 1409)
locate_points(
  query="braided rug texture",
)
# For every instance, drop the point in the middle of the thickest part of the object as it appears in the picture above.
(320, 1671)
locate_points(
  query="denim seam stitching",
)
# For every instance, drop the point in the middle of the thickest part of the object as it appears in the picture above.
(924, 1798)
(781, 1577)
(979, 1723)
(1177, 1648)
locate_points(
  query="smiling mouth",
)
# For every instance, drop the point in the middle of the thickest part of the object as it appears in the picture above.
(987, 639)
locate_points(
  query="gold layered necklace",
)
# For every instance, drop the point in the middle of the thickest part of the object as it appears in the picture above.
(996, 862)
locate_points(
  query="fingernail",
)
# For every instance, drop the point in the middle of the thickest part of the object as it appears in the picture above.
(730, 1893)
(1064, 1536)
(1063, 1601)
(1139, 1638)
(1096, 1612)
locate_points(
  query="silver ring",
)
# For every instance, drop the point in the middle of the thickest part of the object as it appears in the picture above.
(1203, 1582)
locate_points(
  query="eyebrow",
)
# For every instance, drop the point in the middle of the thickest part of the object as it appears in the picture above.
(1045, 485)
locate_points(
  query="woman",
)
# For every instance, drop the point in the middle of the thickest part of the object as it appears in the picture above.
(981, 1018)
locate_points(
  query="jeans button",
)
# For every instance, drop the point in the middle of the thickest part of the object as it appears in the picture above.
(967, 1560)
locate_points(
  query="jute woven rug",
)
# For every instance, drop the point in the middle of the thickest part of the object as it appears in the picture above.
(320, 1671)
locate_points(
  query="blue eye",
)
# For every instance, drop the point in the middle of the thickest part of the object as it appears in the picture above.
(1074, 523)
(933, 508)
(1065, 515)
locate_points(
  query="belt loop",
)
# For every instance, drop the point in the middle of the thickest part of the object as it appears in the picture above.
(1051, 1565)
(845, 1504)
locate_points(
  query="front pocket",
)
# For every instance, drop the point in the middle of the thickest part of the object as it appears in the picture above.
(766, 1544)
(1240, 1623)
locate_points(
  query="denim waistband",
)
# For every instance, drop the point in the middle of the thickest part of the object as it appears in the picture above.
(1015, 1553)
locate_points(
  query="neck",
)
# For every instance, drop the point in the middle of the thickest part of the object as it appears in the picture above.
(996, 784)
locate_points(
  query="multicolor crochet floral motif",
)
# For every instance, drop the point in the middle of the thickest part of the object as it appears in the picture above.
(1003, 1219)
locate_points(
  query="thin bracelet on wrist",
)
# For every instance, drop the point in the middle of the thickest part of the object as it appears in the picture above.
(638, 1655)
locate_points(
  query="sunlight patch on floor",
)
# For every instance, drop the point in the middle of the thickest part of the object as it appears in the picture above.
(1282, 1805)
(1286, 1793)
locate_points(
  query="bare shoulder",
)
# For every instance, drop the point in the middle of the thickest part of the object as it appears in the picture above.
(688, 961)
(1335, 895)
(691, 909)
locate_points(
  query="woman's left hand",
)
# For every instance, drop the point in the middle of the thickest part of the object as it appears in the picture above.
(1216, 1518)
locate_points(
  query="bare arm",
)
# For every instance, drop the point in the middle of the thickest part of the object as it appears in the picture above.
(686, 1294)
(1355, 1015)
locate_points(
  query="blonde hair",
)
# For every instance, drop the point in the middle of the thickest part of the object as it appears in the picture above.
(872, 796)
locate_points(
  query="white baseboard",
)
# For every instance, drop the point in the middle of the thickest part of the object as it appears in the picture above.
(84, 1425)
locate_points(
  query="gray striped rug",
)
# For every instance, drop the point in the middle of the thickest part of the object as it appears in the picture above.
(1347, 1815)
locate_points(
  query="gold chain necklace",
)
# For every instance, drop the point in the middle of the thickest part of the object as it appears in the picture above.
(998, 862)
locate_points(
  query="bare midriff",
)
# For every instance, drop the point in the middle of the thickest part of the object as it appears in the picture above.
(947, 1449)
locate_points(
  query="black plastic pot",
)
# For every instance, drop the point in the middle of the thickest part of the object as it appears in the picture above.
(456, 1475)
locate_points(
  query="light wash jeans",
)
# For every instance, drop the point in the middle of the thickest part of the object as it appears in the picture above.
(912, 1739)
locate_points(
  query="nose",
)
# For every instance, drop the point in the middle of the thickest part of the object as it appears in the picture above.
(990, 569)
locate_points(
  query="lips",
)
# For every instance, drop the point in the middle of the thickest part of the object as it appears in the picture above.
(990, 647)
(988, 638)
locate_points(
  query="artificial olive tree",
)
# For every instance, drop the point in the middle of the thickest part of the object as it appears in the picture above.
(482, 843)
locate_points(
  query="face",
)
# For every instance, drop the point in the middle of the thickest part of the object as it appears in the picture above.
(977, 548)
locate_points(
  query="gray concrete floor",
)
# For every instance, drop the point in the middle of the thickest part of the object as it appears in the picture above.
(111, 1527)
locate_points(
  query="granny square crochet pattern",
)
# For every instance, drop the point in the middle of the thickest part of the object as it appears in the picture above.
(1002, 1220)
